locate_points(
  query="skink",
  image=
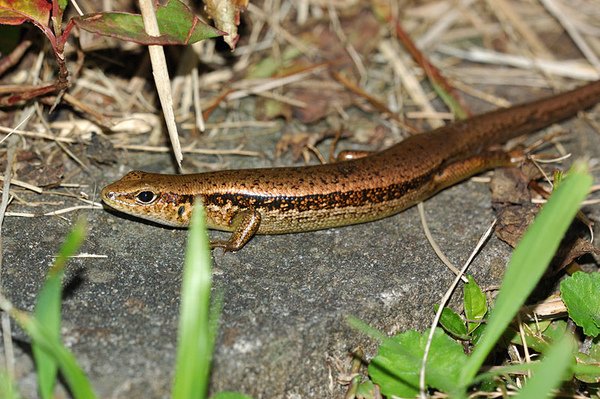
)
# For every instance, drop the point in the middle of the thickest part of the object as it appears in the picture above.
(297, 199)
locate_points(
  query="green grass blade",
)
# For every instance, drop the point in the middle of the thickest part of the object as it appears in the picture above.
(366, 329)
(194, 350)
(214, 317)
(456, 108)
(529, 261)
(76, 379)
(8, 388)
(47, 310)
(551, 371)
(519, 369)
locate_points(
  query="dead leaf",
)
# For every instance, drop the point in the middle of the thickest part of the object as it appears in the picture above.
(226, 14)
(319, 103)
(513, 220)
(296, 143)
(568, 254)
(101, 150)
(509, 186)
(511, 199)
(41, 174)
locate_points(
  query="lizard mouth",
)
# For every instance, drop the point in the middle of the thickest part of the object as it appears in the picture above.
(112, 199)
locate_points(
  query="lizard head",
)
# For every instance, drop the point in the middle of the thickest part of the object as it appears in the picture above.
(145, 195)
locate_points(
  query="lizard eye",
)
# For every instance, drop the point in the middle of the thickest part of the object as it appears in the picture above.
(145, 197)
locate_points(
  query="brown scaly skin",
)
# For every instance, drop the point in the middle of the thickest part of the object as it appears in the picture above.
(296, 199)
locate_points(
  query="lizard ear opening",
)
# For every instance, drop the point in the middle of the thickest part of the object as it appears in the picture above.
(145, 197)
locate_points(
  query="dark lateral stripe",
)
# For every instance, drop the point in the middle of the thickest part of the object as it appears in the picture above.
(318, 201)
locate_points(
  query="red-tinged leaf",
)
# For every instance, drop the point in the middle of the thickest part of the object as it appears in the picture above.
(15, 12)
(58, 8)
(176, 22)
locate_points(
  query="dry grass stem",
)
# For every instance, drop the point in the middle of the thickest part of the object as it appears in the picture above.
(411, 84)
(28, 113)
(541, 159)
(507, 12)
(76, 6)
(196, 96)
(86, 256)
(552, 307)
(570, 26)
(251, 48)
(206, 151)
(278, 31)
(241, 124)
(73, 208)
(271, 84)
(19, 183)
(569, 69)
(447, 19)
(282, 98)
(524, 342)
(337, 28)
(9, 356)
(36, 135)
(436, 248)
(20, 214)
(161, 77)
(488, 97)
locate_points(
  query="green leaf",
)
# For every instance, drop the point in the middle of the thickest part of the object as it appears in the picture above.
(475, 304)
(396, 367)
(555, 330)
(580, 293)
(196, 334)
(520, 368)
(595, 350)
(551, 371)
(230, 395)
(47, 310)
(15, 12)
(534, 336)
(453, 323)
(588, 365)
(535, 342)
(77, 381)
(268, 66)
(176, 22)
(477, 334)
(529, 261)
(366, 390)
(448, 99)
(588, 360)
